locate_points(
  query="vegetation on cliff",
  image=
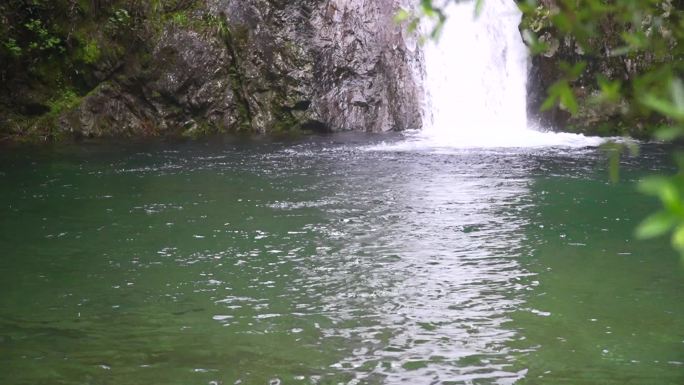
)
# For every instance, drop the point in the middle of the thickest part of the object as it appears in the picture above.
(53, 53)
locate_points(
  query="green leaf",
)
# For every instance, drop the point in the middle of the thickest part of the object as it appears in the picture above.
(562, 93)
(674, 108)
(532, 41)
(576, 70)
(479, 6)
(549, 103)
(677, 89)
(635, 41)
(610, 90)
(662, 106)
(427, 8)
(678, 238)
(669, 133)
(567, 98)
(653, 185)
(562, 21)
(437, 31)
(413, 25)
(620, 51)
(656, 225)
(401, 16)
(671, 198)
(614, 167)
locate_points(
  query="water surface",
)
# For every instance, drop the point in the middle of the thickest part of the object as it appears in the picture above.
(328, 261)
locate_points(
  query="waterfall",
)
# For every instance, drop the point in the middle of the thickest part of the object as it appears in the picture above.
(476, 85)
(476, 74)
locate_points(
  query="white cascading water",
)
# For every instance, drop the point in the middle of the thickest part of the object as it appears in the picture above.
(476, 84)
(476, 75)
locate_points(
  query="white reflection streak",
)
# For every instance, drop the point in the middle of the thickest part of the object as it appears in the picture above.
(426, 297)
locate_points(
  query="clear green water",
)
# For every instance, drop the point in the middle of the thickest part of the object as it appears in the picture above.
(320, 261)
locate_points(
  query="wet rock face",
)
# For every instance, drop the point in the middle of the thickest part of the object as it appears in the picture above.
(181, 85)
(264, 66)
(367, 67)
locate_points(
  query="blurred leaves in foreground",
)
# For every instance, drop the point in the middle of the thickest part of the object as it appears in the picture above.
(670, 191)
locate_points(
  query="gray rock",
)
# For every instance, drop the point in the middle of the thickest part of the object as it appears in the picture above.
(264, 66)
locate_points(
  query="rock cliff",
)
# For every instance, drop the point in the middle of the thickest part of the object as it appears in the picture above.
(233, 65)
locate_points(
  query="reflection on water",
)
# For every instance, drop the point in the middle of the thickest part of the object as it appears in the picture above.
(429, 275)
(323, 262)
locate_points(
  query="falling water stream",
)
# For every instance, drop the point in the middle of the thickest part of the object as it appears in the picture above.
(476, 85)
(476, 75)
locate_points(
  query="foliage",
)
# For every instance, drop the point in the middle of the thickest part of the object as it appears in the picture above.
(64, 101)
(118, 21)
(49, 46)
(12, 47)
(561, 92)
(43, 38)
(91, 52)
(30, 28)
(180, 18)
(670, 191)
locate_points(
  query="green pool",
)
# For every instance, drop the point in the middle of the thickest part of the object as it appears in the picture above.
(326, 261)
